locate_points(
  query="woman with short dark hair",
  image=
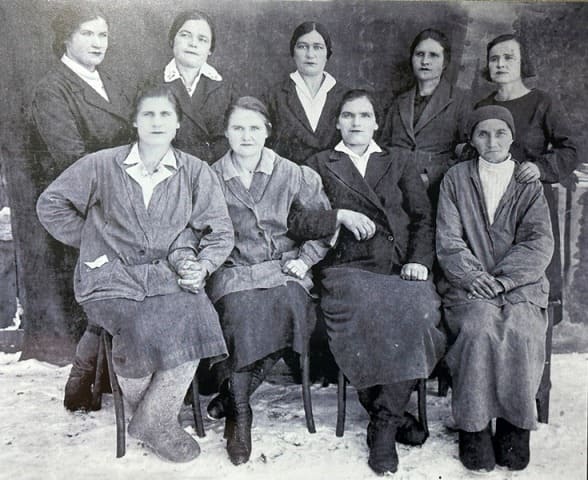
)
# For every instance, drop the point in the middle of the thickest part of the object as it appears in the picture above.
(426, 123)
(302, 107)
(544, 145)
(204, 94)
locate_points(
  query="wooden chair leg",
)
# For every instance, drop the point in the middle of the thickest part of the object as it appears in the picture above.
(543, 393)
(341, 403)
(119, 408)
(306, 398)
(196, 410)
(97, 389)
(422, 404)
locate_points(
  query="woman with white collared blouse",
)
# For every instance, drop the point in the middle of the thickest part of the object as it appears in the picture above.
(204, 94)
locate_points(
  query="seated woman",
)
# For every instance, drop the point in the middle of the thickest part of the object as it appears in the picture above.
(380, 308)
(494, 243)
(262, 290)
(151, 225)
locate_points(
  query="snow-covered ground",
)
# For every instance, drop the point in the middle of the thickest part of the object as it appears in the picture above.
(41, 440)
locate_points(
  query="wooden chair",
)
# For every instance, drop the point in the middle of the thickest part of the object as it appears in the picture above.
(421, 388)
(105, 352)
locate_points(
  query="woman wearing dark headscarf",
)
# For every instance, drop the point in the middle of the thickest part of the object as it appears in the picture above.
(494, 242)
(204, 94)
(544, 144)
(76, 109)
(426, 123)
(303, 107)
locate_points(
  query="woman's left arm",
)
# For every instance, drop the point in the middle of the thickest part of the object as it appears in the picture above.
(526, 261)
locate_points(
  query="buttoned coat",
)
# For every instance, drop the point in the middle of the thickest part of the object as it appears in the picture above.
(201, 131)
(292, 136)
(391, 194)
(70, 120)
(430, 143)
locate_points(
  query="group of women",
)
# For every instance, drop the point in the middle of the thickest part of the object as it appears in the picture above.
(181, 261)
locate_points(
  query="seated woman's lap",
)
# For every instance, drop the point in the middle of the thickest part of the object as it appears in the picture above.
(259, 322)
(160, 332)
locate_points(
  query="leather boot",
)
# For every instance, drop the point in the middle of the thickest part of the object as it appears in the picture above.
(239, 419)
(155, 422)
(217, 408)
(78, 388)
(511, 445)
(409, 432)
(476, 451)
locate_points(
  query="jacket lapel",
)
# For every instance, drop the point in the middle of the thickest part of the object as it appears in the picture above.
(439, 101)
(378, 165)
(406, 110)
(295, 106)
(329, 113)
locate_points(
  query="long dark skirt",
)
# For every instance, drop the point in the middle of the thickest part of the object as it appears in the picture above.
(259, 322)
(159, 332)
(382, 329)
(496, 361)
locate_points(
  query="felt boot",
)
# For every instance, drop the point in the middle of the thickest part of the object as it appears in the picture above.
(239, 419)
(476, 451)
(155, 422)
(511, 445)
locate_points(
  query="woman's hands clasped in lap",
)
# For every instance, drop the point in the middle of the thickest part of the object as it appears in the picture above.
(192, 275)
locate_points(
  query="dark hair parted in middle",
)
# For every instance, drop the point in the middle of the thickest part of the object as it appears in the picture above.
(436, 35)
(249, 103)
(68, 20)
(183, 17)
(354, 95)
(308, 27)
(527, 69)
(155, 91)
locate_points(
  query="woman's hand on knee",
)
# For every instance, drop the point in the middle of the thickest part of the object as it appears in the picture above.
(296, 268)
(414, 271)
(360, 225)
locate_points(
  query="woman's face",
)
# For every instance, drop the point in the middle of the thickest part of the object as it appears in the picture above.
(192, 44)
(492, 139)
(310, 54)
(156, 121)
(246, 132)
(87, 45)
(357, 123)
(428, 60)
(504, 62)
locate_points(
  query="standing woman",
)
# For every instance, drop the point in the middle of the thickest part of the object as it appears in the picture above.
(426, 123)
(203, 93)
(151, 225)
(303, 107)
(544, 144)
(262, 290)
(76, 110)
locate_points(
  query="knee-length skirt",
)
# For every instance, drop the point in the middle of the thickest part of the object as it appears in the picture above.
(259, 322)
(160, 332)
(382, 329)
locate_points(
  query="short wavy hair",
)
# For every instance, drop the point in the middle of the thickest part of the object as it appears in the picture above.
(308, 27)
(68, 20)
(249, 103)
(436, 35)
(186, 15)
(527, 68)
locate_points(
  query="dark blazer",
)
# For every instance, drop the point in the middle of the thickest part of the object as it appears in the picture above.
(431, 142)
(202, 132)
(71, 120)
(292, 136)
(391, 194)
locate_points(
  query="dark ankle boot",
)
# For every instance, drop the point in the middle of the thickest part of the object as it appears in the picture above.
(238, 422)
(476, 451)
(511, 445)
(78, 392)
(383, 457)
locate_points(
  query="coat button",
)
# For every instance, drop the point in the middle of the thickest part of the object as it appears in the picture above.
(142, 252)
(390, 238)
(260, 234)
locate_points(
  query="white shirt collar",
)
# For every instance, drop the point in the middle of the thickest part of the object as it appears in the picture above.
(360, 161)
(265, 165)
(313, 106)
(92, 78)
(171, 73)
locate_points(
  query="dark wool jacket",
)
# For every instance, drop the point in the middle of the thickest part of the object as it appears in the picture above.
(515, 249)
(292, 137)
(97, 207)
(431, 143)
(392, 195)
(201, 131)
(71, 120)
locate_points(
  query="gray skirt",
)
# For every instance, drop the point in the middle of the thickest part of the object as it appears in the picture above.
(381, 329)
(160, 332)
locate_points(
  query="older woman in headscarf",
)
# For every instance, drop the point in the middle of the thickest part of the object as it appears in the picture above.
(494, 243)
